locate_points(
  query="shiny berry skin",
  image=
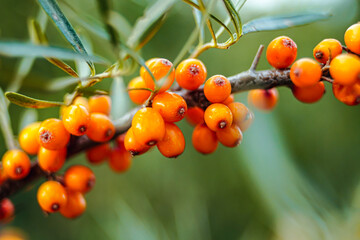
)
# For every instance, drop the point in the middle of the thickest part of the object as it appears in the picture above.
(242, 116)
(100, 104)
(229, 100)
(190, 74)
(76, 119)
(7, 210)
(173, 144)
(51, 160)
(16, 164)
(203, 139)
(101, 128)
(75, 206)
(51, 196)
(309, 94)
(120, 160)
(218, 116)
(79, 178)
(305, 72)
(350, 95)
(171, 106)
(82, 101)
(98, 154)
(148, 126)
(195, 115)
(217, 89)
(28, 138)
(132, 145)
(53, 135)
(352, 38)
(230, 137)
(345, 69)
(138, 96)
(264, 100)
(327, 48)
(281, 52)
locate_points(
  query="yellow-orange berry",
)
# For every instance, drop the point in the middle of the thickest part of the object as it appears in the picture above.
(53, 135)
(98, 154)
(352, 38)
(79, 178)
(120, 160)
(82, 101)
(51, 196)
(327, 48)
(132, 145)
(350, 95)
(242, 116)
(203, 139)
(195, 115)
(138, 96)
(229, 100)
(230, 137)
(281, 52)
(75, 205)
(171, 106)
(76, 119)
(16, 164)
(217, 89)
(101, 128)
(51, 160)
(173, 144)
(305, 72)
(100, 104)
(190, 74)
(309, 94)
(7, 210)
(345, 69)
(262, 99)
(218, 116)
(28, 138)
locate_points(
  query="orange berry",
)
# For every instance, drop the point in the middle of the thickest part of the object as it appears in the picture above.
(327, 48)
(51, 160)
(100, 104)
(229, 100)
(28, 138)
(51, 196)
(195, 115)
(262, 99)
(217, 89)
(242, 116)
(132, 145)
(171, 106)
(98, 154)
(75, 206)
(173, 144)
(53, 135)
(100, 129)
(79, 178)
(159, 67)
(190, 74)
(281, 52)
(352, 38)
(148, 126)
(305, 72)
(82, 101)
(309, 94)
(203, 139)
(76, 119)
(120, 160)
(138, 96)
(345, 69)
(230, 137)
(16, 164)
(218, 116)
(7, 210)
(350, 95)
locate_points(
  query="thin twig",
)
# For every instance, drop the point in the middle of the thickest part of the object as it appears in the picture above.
(327, 79)
(257, 58)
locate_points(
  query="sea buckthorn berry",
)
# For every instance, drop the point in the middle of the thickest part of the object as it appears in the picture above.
(75, 206)
(76, 119)
(352, 38)
(195, 115)
(132, 145)
(100, 104)
(229, 100)
(242, 116)
(79, 178)
(345, 69)
(51, 160)
(190, 74)
(327, 48)
(120, 160)
(98, 154)
(148, 126)
(138, 96)
(100, 129)
(230, 137)
(82, 101)
(218, 116)
(173, 144)
(28, 138)
(203, 139)
(7, 210)
(262, 99)
(16, 164)
(217, 89)
(281, 52)
(51, 196)
(305, 72)
(309, 94)
(350, 95)
(159, 67)
(171, 106)
(53, 135)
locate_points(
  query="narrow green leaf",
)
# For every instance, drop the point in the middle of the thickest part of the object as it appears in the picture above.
(105, 7)
(61, 83)
(119, 98)
(28, 116)
(198, 20)
(238, 4)
(29, 102)
(120, 23)
(5, 123)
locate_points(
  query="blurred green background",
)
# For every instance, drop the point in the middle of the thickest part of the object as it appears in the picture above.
(295, 175)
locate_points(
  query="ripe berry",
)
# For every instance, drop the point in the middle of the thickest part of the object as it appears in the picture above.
(76, 119)
(171, 106)
(350, 95)
(7, 210)
(51, 160)
(138, 96)
(229, 100)
(82, 101)
(190, 74)
(120, 160)
(16, 164)
(79, 178)
(230, 137)
(132, 145)
(352, 38)
(345, 69)
(28, 138)
(309, 94)
(51, 196)
(173, 144)
(203, 139)
(217, 89)
(195, 115)
(281, 52)
(75, 206)
(98, 154)
(218, 116)
(53, 135)
(100, 104)
(148, 126)
(262, 99)
(305, 72)
(159, 67)
(100, 129)
(242, 116)
(327, 48)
